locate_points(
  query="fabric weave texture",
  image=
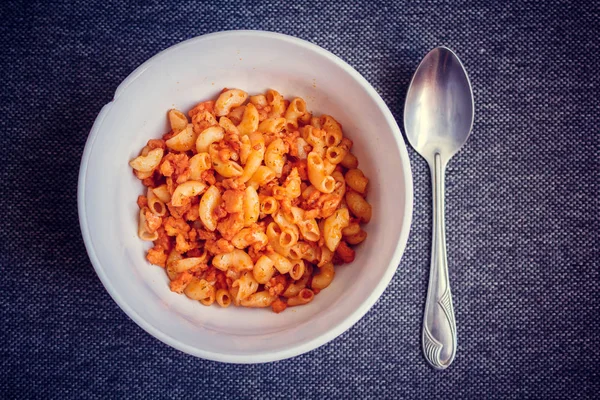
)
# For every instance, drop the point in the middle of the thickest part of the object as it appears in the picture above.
(522, 203)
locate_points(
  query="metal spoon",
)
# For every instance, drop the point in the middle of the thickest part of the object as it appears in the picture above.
(438, 118)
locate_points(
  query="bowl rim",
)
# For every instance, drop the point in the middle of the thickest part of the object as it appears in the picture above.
(297, 349)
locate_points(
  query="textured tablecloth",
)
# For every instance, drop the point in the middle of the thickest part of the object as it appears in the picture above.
(522, 203)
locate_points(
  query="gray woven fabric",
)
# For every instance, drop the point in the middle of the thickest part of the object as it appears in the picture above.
(522, 203)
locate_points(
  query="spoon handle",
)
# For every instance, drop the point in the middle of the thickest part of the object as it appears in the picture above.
(439, 326)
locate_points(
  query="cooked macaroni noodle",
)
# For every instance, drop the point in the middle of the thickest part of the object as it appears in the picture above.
(251, 201)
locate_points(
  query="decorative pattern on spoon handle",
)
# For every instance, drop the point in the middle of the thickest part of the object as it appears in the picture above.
(446, 304)
(431, 348)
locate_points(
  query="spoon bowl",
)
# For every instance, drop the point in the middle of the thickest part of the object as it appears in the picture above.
(439, 108)
(438, 118)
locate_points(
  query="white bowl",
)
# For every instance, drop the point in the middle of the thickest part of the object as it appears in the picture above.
(198, 69)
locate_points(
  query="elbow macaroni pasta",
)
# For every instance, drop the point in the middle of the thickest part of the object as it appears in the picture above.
(275, 156)
(251, 201)
(317, 174)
